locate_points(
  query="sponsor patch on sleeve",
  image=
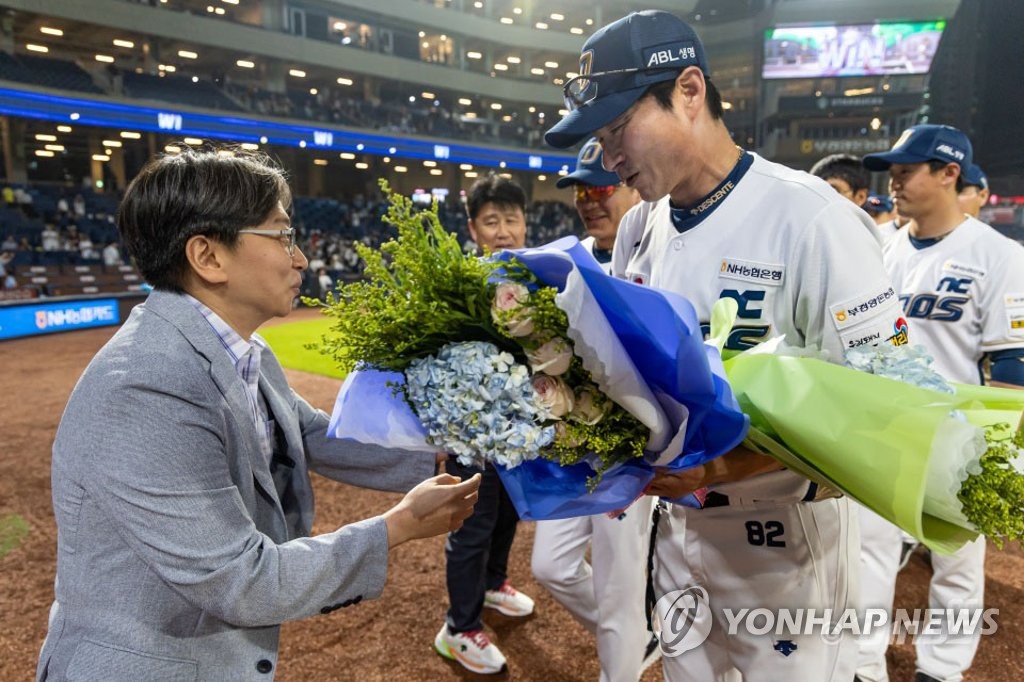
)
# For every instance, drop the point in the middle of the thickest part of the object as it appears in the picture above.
(753, 271)
(1015, 313)
(862, 308)
(963, 269)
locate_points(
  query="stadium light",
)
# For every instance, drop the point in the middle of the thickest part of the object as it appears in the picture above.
(124, 43)
(555, 16)
(245, 64)
(105, 58)
(512, 59)
(541, 26)
(464, 101)
(576, 30)
(63, 129)
(298, 73)
(43, 137)
(345, 81)
(112, 143)
(506, 20)
(44, 152)
(54, 147)
(347, 155)
(551, 65)
(32, 47)
(362, 165)
(188, 54)
(474, 55)
(51, 31)
(501, 67)
(100, 157)
(131, 135)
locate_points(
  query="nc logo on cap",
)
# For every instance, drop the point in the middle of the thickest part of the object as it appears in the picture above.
(903, 138)
(590, 152)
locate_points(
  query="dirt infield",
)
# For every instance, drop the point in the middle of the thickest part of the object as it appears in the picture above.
(386, 639)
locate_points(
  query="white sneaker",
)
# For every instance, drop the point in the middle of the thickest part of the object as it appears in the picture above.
(509, 601)
(472, 649)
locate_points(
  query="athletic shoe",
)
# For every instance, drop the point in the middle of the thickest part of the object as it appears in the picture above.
(905, 552)
(652, 652)
(508, 600)
(923, 677)
(472, 649)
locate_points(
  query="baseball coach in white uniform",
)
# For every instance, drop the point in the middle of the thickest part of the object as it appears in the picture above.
(608, 594)
(801, 261)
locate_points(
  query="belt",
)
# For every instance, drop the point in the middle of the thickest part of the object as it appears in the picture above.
(814, 493)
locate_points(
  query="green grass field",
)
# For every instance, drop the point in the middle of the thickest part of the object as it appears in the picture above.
(289, 341)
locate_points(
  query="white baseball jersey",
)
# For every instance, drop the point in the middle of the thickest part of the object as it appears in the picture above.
(963, 296)
(887, 230)
(589, 244)
(799, 259)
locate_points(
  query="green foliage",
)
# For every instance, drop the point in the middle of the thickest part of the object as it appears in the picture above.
(993, 500)
(420, 292)
(617, 438)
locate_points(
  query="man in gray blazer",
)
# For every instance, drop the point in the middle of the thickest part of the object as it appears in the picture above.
(181, 465)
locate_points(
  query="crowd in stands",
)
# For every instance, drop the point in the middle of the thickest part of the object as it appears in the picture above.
(422, 117)
(389, 112)
(47, 231)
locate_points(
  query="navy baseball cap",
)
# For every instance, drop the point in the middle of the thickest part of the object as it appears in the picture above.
(926, 142)
(975, 176)
(618, 63)
(589, 170)
(878, 203)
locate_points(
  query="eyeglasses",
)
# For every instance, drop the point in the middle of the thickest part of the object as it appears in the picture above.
(287, 237)
(582, 90)
(592, 193)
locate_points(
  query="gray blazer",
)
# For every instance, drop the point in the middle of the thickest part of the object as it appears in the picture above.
(177, 559)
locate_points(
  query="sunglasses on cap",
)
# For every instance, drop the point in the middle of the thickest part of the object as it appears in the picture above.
(582, 90)
(592, 193)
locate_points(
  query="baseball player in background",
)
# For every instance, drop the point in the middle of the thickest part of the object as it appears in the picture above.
(879, 207)
(606, 595)
(975, 193)
(476, 555)
(717, 221)
(846, 174)
(961, 285)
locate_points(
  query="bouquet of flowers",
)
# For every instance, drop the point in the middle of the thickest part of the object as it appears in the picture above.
(572, 383)
(942, 461)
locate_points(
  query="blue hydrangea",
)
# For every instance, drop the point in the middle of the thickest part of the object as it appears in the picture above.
(909, 364)
(477, 403)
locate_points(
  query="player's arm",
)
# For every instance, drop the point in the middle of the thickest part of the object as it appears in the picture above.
(736, 465)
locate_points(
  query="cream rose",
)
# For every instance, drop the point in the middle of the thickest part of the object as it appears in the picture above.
(554, 394)
(589, 408)
(552, 358)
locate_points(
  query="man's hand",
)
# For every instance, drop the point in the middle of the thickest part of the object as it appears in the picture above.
(736, 465)
(435, 506)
